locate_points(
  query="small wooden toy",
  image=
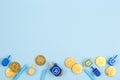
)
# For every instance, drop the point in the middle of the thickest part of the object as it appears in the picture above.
(31, 70)
(55, 70)
(88, 63)
(95, 71)
(6, 61)
(111, 61)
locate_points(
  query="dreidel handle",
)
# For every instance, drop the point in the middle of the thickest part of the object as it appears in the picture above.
(9, 57)
(51, 64)
(92, 68)
(115, 56)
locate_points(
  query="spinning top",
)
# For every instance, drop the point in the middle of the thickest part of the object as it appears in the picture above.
(96, 71)
(55, 70)
(6, 61)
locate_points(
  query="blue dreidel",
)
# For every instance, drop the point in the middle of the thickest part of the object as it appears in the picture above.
(111, 60)
(6, 61)
(95, 71)
(55, 69)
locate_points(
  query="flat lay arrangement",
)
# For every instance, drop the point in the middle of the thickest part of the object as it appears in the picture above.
(90, 67)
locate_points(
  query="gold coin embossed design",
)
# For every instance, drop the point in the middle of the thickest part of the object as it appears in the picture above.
(9, 73)
(15, 66)
(69, 62)
(110, 71)
(40, 60)
(77, 68)
(100, 61)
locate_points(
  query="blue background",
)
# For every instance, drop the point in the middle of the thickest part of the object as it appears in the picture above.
(58, 29)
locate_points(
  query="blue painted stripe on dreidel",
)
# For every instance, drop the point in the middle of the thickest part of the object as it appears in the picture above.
(20, 72)
(43, 74)
(89, 75)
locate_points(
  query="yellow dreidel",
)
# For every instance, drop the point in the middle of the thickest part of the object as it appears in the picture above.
(88, 62)
(31, 70)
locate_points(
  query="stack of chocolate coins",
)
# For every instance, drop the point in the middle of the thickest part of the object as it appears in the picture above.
(13, 69)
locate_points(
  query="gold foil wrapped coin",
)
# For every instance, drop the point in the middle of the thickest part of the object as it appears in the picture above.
(40, 60)
(77, 68)
(100, 61)
(69, 62)
(15, 67)
(110, 71)
(9, 73)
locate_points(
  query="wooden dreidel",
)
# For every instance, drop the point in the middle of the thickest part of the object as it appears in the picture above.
(31, 70)
(6, 61)
(95, 71)
(55, 69)
(88, 63)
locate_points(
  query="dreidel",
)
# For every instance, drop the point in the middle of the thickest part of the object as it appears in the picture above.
(31, 70)
(6, 61)
(111, 60)
(95, 71)
(88, 63)
(55, 69)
